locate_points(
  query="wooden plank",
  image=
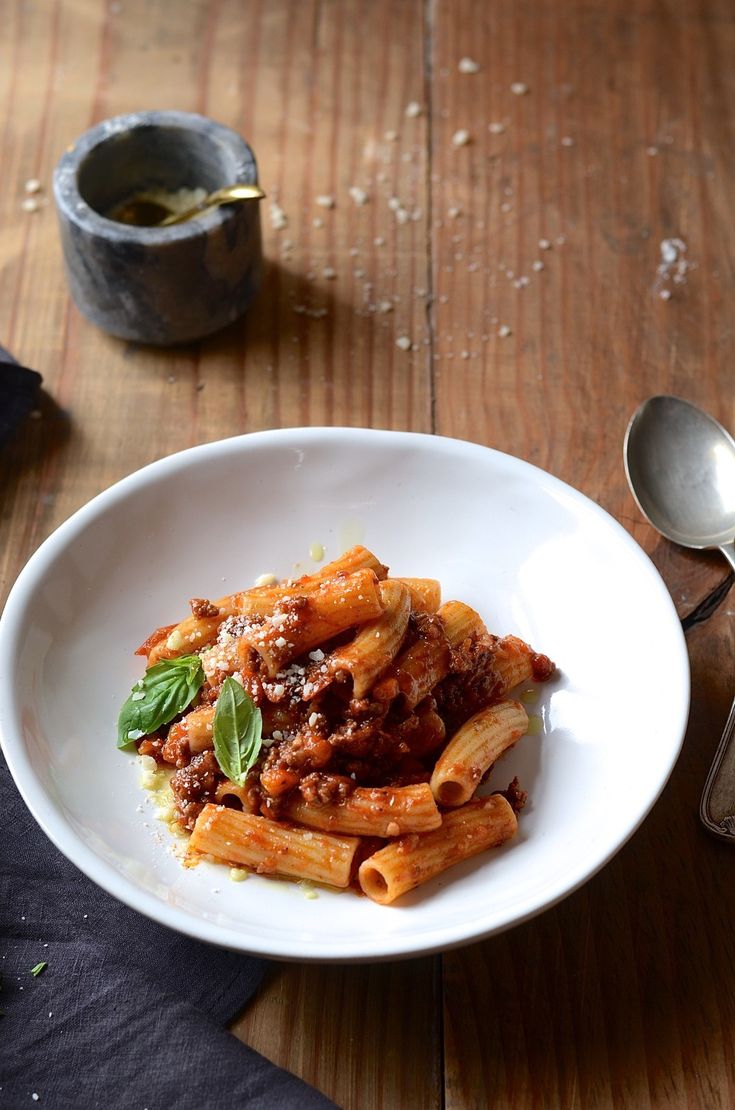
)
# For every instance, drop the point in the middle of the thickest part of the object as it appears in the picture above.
(314, 87)
(364, 1035)
(617, 997)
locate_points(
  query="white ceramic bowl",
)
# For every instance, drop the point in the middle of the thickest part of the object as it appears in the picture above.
(534, 556)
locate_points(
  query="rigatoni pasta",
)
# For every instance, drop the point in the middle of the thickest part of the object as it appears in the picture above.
(335, 727)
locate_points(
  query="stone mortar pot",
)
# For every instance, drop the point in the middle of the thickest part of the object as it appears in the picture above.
(159, 285)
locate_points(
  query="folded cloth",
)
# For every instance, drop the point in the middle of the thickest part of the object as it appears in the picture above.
(121, 1012)
(18, 393)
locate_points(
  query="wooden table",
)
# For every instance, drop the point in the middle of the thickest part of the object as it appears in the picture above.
(619, 136)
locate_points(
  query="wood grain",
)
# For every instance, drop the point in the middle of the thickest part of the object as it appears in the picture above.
(622, 996)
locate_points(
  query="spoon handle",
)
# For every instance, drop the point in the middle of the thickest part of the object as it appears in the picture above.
(717, 808)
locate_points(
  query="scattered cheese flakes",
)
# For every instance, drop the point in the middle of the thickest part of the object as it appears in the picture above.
(404, 343)
(279, 219)
(413, 109)
(324, 200)
(329, 273)
(461, 137)
(454, 211)
(30, 204)
(391, 136)
(519, 88)
(504, 331)
(266, 580)
(567, 140)
(32, 185)
(359, 195)
(544, 245)
(496, 128)
(467, 65)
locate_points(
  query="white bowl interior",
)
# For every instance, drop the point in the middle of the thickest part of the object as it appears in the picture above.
(535, 557)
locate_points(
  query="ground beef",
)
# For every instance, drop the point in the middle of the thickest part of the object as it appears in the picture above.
(473, 683)
(201, 608)
(324, 789)
(542, 667)
(515, 795)
(194, 786)
(176, 749)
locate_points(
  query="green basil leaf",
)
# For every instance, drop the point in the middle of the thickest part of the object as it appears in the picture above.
(238, 728)
(164, 691)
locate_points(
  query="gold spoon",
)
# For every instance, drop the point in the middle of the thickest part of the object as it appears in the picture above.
(145, 212)
(230, 194)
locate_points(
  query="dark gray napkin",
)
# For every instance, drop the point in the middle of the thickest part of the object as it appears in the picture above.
(123, 1013)
(126, 1014)
(18, 393)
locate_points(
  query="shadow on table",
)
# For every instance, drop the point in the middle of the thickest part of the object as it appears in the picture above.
(286, 309)
(36, 440)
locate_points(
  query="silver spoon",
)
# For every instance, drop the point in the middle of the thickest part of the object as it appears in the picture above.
(680, 465)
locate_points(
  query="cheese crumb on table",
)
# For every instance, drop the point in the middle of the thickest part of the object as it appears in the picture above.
(461, 137)
(413, 109)
(467, 65)
(519, 88)
(325, 201)
(359, 195)
(278, 217)
(403, 342)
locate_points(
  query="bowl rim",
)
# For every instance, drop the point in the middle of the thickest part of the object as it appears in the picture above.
(126, 890)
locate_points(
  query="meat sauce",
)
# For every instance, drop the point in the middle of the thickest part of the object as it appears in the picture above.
(321, 745)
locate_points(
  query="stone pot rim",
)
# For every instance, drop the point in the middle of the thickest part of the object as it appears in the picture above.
(75, 208)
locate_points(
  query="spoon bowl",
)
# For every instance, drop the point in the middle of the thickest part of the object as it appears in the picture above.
(680, 465)
(229, 194)
(147, 211)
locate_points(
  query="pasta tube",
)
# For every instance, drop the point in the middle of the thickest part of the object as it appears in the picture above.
(373, 811)
(272, 848)
(412, 860)
(513, 662)
(194, 633)
(415, 672)
(460, 621)
(229, 789)
(474, 748)
(338, 604)
(426, 593)
(377, 642)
